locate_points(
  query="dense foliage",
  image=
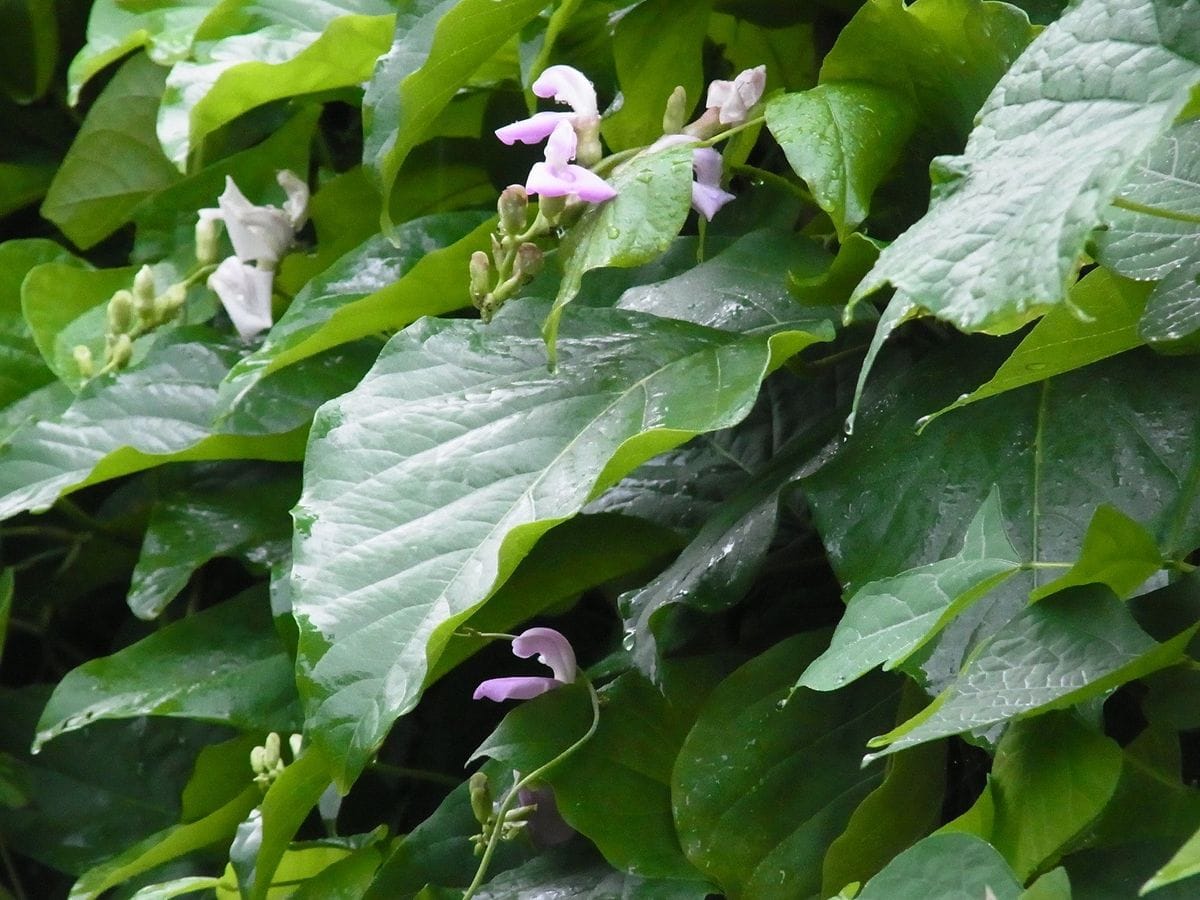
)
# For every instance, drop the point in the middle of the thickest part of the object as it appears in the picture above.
(792, 490)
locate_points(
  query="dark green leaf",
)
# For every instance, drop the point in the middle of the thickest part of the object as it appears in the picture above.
(945, 867)
(571, 874)
(29, 48)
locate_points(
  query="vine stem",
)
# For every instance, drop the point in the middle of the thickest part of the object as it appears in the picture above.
(511, 796)
(1158, 211)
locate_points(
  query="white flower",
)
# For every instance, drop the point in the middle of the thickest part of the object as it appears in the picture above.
(261, 234)
(245, 292)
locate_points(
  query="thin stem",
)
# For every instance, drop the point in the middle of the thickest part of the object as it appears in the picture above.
(1180, 565)
(415, 774)
(535, 775)
(615, 159)
(46, 531)
(469, 632)
(1158, 211)
(778, 181)
(725, 135)
(1046, 565)
(833, 358)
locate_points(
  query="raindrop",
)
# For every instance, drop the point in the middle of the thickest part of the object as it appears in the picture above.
(848, 425)
(613, 232)
(628, 640)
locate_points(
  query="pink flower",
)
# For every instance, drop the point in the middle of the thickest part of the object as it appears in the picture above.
(734, 99)
(566, 85)
(707, 195)
(552, 650)
(556, 177)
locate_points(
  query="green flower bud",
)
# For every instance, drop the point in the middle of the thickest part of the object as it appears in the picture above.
(207, 234)
(513, 207)
(258, 760)
(120, 312)
(551, 208)
(83, 360)
(676, 114)
(529, 261)
(167, 306)
(143, 287)
(481, 276)
(481, 797)
(271, 748)
(121, 350)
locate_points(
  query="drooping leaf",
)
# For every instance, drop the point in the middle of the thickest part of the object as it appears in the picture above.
(1055, 138)
(197, 668)
(115, 161)
(945, 867)
(1116, 551)
(887, 620)
(759, 791)
(521, 449)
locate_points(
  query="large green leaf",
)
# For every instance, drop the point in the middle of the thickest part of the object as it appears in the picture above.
(1054, 139)
(115, 161)
(438, 46)
(379, 285)
(162, 411)
(458, 417)
(1154, 230)
(268, 51)
(22, 368)
(1116, 551)
(887, 620)
(760, 791)
(945, 867)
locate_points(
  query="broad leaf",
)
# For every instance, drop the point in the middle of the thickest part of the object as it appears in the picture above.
(1116, 551)
(458, 416)
(115, 161)
(887, 620)
(571, 874)
(197, 668)
(1055, 138)
(22, 368)
(945, 867)
(1184, 864)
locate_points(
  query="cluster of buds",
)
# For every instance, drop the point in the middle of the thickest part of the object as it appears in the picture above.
(129, 315)
(267, 761)
(536, 818)
(515, 259)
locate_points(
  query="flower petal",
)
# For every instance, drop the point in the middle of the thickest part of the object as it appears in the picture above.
(707, 195)
(560, 148)
(529, 131)
(520, 687)
(552, 650)
(245, 292)
(295, 207)
(733, 99)
(581, 182)
(547, 827)
(568, 85)
(708, 200)
(258, 233)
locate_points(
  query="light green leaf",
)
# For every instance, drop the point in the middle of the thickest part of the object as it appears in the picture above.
(1184, 864)
(842, 138)
(760, 791)
(295, 49)
(23, 183)
(639, 224)
(656, 47)
(945, 867)
(1117, 552)
(379, 285)
(176, 888)
(888, 620)
(520, 449)
(1153, 230)
(1057, 134)
(116, 28)
(1099, 321)
(1053, 655)
(1054, 885)
(115, 161)
(197, 668)
(438, 47)
(22, 368)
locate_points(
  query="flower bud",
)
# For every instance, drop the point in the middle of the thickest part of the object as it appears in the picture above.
(296, 741)
(121, 350)
(258, 760)
(167, 305)
(529, 261)
(588, 151)
(143, 286)
(207, 250)
(551, 208)
(513, 208)
(271, 748)
(120, 312)
(83, 360)
(481, 276)
(676, 114)
(481, 797)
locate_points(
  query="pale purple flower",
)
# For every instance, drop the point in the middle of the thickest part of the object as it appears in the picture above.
(552, 650)
(547, 827)
(707, 195)
(566, 85)
(734, 99)
(261, 234)
(557, 177)
(245, 292)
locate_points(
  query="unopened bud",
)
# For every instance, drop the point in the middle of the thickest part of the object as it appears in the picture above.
(481, 797)
(271, 749)
(481, 276)
(83, 360)
(167, 305)
(676, 114)
(121, 350)
(206, 241)
(529, 260)
(513, 208)
(296, 741)
(143, 287)
(551, 208)
(588, 151)
(258, 760)
(120, 312)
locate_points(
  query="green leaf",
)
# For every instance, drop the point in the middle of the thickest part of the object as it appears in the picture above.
(176, 888)
(886, 621)
(520, 449)
(197, 668)
(29, 48)
(1075, 645)
(1152, 233)
(162, 411)
(1184, 864)
(1099, 321)
(296, 50)
(1054, 885)
(639, 224)
(23, 183)
(115, 161)
(22, 368)
(379, 285)
(438, 46)
(656, 47)
(842, 138)
(1052, 776)
(1117, 552)
(242, 512)
(1054, 139)
(760, 791)
(571, 874)
(945, 867)
(116, 28)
